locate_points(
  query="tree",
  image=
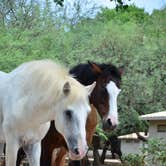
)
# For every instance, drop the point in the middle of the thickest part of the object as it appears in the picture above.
(20, 13)
(128, 37)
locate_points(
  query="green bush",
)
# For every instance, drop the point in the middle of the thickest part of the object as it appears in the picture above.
(132, 160)
(152, 153)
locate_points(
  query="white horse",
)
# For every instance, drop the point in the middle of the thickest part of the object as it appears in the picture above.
(34, 94)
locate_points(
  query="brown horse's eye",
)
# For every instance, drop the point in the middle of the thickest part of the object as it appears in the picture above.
(103, 89)
(104, 84)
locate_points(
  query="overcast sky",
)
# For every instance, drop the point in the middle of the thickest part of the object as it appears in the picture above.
(148, 5)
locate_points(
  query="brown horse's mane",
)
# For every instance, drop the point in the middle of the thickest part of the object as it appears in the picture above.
(86, 74)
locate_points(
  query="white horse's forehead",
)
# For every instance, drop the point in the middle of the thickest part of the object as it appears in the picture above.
(81, 106)
(112, 88)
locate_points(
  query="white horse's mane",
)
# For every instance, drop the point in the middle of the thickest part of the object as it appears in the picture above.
(46, 78)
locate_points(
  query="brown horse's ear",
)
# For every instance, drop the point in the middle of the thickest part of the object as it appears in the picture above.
(121, 70)
(66, 88)
(96, 68)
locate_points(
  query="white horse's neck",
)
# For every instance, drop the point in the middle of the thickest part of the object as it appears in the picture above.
(36, 115)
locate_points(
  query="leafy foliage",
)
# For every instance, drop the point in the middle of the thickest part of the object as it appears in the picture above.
(133, 160)
(153, 153)
(128, 37)
(100, 132)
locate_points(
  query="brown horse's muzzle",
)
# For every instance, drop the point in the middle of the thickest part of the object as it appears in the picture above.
(109, 124)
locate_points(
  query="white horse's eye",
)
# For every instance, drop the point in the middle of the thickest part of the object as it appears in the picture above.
(69, 114)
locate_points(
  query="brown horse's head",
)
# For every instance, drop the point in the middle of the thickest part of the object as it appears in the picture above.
(104, 95)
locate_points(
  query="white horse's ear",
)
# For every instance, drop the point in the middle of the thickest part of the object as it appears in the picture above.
(90, 88)
(66, 88)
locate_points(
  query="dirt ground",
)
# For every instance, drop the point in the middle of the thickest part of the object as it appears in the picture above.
(108, 162)
(26, 164)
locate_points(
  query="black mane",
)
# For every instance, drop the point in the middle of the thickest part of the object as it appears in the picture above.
(85, 74)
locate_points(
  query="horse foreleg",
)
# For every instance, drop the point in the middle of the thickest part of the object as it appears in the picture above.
(33, 152)
(46, 153)
(58, 157)
(12, 147)
(20, 156)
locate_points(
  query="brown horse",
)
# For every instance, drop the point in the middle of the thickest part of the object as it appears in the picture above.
(103, 99)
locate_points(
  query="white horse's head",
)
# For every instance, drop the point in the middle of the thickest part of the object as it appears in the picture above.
(71, 121)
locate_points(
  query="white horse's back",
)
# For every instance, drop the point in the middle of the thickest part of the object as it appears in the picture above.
(3, 78)
(3, 74)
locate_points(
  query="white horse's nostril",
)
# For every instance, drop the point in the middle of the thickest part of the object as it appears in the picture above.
(76, 151)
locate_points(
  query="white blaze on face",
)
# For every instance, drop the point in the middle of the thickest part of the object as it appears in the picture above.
(113, 91)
